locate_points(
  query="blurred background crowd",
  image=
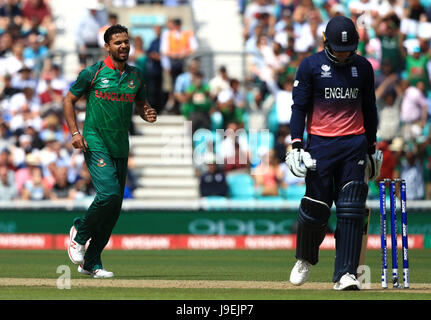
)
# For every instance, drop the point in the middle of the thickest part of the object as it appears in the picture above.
(246, 120)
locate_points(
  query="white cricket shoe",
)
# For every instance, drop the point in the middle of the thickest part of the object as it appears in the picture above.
(102, 273)
(75, 250)
(347, 282)
(83, 271)
(300, 272)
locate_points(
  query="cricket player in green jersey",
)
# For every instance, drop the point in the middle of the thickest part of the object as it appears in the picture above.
(111, 87)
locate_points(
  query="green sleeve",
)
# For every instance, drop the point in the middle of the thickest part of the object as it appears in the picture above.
(82, 83)
(141, 94)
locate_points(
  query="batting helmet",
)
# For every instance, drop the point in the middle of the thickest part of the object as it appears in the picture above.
(341, 36)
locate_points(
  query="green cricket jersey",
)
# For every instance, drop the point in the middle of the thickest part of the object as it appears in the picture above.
(110, 97)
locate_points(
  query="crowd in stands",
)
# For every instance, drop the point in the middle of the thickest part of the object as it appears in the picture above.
(240, 126)
(37, 160)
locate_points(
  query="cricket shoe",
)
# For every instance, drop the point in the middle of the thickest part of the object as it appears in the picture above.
(347, 282)
(102, 274)
(300, 272)
(83, 271)
(75, 250)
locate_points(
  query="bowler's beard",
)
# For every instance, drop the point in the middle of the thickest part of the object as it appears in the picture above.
(118, 58)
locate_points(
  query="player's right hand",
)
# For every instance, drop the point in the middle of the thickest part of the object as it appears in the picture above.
(78, 142)
(299, 161)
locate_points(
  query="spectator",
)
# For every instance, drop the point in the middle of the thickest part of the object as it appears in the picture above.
(10, 13)
(238, 161)
(6, 44)
(389, 108)
(268, 175)
(112, 21)
(38, 10)
(411, 170)
(12, 64)
(24, 79)
(51, 74)
(184, 80)
(219, 83)
(414, 110)
(231, 104)
(35, 52)
(389, 159)
(88, 29)
(8, 91)
(6, 140)
(391, 40)
(62, 189)
(416, 67)
(155, 73)
(34, 189)
(213, 182)
(24, 118)
(6, 159)
(177, 45)
(8, 190)
(198, 106)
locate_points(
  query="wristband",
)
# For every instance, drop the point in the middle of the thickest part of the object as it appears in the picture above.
(75, 133)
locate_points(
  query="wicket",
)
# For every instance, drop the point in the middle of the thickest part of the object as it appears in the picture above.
(393, 212)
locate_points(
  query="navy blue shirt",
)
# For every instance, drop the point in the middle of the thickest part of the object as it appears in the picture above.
(335, 100)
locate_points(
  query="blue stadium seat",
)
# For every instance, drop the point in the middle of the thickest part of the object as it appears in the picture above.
(241, 186)
(293, 192)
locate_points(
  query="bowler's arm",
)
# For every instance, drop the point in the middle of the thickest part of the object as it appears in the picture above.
(78, 141)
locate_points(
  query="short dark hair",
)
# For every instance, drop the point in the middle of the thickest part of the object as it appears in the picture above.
(114, 30)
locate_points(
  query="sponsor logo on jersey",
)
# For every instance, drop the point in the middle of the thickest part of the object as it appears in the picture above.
(354, 72)
(131, 84)
(105, 83)
(101, 163)
(361, 162)
(341, 93)
(296, 83)
(326, 73)
(114, 96)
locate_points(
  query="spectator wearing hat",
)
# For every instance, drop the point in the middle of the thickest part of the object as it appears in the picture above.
(24, 174)
(86, 35)
(24, 79)
(213, 181)
(52, 127)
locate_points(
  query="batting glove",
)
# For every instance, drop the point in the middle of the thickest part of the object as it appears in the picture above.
(374, 164)
(299, 161)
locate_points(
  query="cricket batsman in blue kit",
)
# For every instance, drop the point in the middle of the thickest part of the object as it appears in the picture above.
(334, 99)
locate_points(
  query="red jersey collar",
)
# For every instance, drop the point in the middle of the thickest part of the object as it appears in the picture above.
(109, 63)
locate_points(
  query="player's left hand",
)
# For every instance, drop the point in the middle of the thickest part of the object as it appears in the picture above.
(299, 161)
(374, 164)
(150, 114)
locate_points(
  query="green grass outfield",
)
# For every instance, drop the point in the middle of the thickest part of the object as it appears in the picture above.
(197, 275)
